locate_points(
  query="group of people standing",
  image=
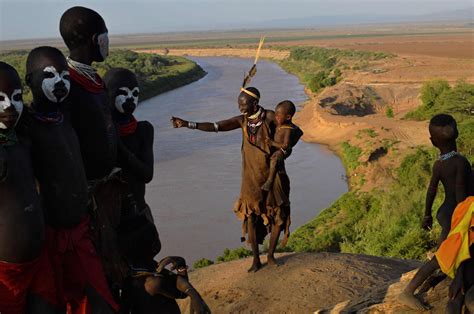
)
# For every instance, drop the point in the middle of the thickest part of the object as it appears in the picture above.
(77, 235)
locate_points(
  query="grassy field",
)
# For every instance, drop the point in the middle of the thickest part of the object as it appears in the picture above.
(156, 74)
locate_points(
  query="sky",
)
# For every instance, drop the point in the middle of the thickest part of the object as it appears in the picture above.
(21, 19)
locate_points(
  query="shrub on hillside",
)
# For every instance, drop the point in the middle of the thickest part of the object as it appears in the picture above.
(203, 262)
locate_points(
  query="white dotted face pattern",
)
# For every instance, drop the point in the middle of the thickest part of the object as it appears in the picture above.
(6, 102)
(103, 42)
(48, 84)
(122, 99)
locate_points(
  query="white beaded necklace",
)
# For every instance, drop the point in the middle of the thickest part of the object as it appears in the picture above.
(84, 69)
(446, 156)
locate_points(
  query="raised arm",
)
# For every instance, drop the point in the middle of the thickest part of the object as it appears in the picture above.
(220, 126)
(430, 196)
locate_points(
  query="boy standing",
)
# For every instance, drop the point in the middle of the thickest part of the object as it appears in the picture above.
(454, 172)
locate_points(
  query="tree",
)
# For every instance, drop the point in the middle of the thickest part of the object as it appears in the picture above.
(432, 90)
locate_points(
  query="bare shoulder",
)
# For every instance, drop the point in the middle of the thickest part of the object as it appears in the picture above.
(462, 161)
(145, 127)
(437, 166)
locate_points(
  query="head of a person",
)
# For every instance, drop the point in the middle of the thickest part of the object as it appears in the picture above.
(123, 90)
(83, 28)
(248, 100)
(284, 112)
(47, 75)
(11, 97)
(443, 130)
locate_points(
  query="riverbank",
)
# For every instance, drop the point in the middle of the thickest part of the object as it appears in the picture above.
(156, 74)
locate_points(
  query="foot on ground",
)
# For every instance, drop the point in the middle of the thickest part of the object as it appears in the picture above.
(255, 267)
(272, 261)
(411, 301)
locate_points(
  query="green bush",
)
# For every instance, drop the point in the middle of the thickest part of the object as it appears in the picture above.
(350, 155)
(389, 112)
(457, 101)
(203, 262)
(319, 67)
(230, 255)
(432, 90)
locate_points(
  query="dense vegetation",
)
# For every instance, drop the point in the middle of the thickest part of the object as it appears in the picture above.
(439, 97)
(387, 223)
(318, 67)
(156, 74)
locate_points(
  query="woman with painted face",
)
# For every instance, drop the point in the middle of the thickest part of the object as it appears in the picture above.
(26, 279)
(58, 167)
(138, 236)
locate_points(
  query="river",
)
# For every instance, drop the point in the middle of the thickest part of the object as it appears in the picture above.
(197, 174)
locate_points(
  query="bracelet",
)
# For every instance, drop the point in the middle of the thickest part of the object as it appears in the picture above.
(216, 127)
(187, 290)
(182, 269)
(192, 125)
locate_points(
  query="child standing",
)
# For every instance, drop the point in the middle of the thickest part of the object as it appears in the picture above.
(454, 172)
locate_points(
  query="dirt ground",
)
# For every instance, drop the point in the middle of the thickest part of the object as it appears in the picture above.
(302, 284)
(440, 45)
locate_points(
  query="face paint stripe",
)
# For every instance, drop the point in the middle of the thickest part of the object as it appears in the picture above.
(7, 102)
(48, 84)
(120, 100)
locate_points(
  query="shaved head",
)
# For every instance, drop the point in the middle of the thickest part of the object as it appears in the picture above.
(122, 87)
(287, 107)
(43, 54)
(118, 77)
(8, 74)
(78, 25)
(443, 127)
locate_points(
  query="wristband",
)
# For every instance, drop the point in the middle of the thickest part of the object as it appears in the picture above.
(216, 127)
(192, 125)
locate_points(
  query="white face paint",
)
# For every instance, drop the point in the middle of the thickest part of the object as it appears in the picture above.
(103, 42)
(48, 84)
(7, 102)
(121, 99)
